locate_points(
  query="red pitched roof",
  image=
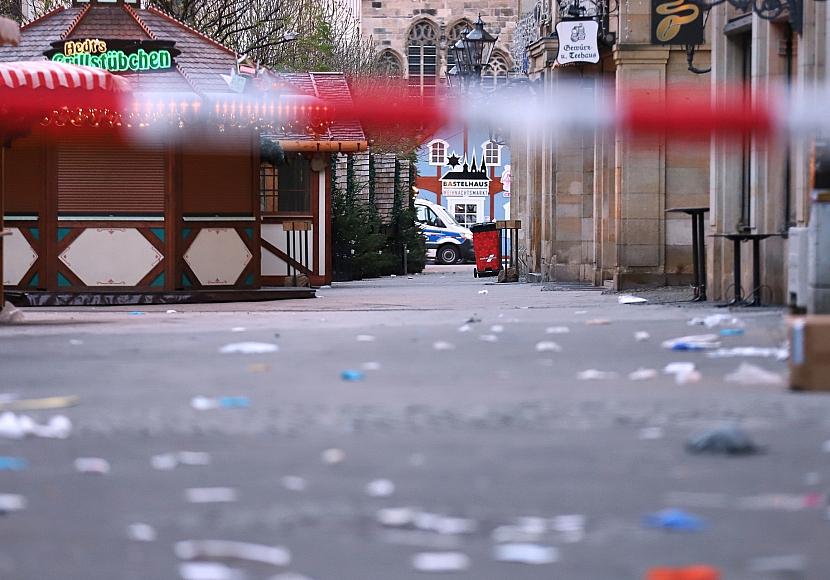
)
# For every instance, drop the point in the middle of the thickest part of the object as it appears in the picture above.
(330, 87)
(200, 65)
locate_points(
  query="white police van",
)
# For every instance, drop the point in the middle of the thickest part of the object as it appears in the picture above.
(447, 242)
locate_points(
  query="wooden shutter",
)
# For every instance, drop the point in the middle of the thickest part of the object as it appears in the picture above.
(95, 178)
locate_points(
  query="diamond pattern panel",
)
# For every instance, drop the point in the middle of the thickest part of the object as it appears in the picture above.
(111, 257)
(218, 256)
(18, 257)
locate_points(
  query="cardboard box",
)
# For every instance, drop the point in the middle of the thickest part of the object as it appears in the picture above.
(810, 353)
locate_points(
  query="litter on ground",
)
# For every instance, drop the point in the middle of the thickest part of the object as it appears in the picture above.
(442, 345)
(557, 330)
(674, 520)
(440, 561)
(224, 549)
(749, 374)
(14, 426)
(641, 336)
(141, 533)
(724, 441)
(595, 375)
(210, 495)
(445, 525)
(750, 351)
(525, 553)
(628, 299)
(352, 376)
(13, 464)
(684, 372)
(380, 488)
(692, 342)
(642, 375)
(714, 320)
(548, 346)
(293, 483)
(249, 348)
(227, 402)
(209, 571)
(92, 465)
(650, 433)
(333, 456)
(11, 502)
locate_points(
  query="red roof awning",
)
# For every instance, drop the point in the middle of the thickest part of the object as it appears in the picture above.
(53, 75)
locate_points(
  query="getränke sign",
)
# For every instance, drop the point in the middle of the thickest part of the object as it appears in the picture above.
(116, 55)
(578, 41)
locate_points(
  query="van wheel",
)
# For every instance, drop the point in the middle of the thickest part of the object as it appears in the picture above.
(447, 255)
(475, 272)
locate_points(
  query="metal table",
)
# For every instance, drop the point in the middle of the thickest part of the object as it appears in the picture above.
(698, 248)
(737, 239)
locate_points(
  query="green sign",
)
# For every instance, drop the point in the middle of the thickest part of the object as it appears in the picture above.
(115, 55)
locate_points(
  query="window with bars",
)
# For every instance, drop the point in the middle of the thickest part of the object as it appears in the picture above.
(491, 153)
(495, 73)
(437, 152)
(285, 188)
(389, 64)
(465, 213)
(268, 188)
(454, 34)
(422, 59)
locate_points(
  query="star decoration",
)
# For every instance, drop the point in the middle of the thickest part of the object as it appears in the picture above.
(453, 160)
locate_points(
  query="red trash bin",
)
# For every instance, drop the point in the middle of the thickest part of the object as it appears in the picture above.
(487, 249)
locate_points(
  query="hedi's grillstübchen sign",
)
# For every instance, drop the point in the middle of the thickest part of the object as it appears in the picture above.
(116, 55)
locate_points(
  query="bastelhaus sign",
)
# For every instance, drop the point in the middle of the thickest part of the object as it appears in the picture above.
(116, 55)
(578, 41)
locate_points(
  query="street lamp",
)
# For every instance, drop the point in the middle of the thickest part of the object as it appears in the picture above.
(472, 53)
(478, 44)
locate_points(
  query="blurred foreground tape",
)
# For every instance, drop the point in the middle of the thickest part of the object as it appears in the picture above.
(38, 404)
(810, 353)
(690, 573)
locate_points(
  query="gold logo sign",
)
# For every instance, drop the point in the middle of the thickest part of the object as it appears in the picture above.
(676, 22)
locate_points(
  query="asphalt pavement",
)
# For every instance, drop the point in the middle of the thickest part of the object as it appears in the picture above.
(470, 407)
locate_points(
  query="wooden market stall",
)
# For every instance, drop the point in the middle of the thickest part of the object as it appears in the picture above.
(174, 206)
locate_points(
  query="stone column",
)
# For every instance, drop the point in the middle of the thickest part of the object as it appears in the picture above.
(640, 167)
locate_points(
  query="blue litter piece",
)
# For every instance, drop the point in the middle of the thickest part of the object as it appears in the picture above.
(352, 376)
(136, 313)
(687, 346)
(13, 464)
(674, 520)
(732, 332)
(234, 402)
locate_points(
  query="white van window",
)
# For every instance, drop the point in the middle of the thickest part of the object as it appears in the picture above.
(427, 216)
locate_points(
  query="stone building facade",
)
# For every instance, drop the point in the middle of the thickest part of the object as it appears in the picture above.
(762, 186)
(412, 41)
(593, 206)
(412, 37)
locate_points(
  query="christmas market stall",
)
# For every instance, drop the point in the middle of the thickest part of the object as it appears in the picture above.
(177, 196)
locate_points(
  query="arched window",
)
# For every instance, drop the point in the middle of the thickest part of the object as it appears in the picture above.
(454, 34)
(422, 58)
(491, 153)
(389, 64)
(437, 152)
(495, 73)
